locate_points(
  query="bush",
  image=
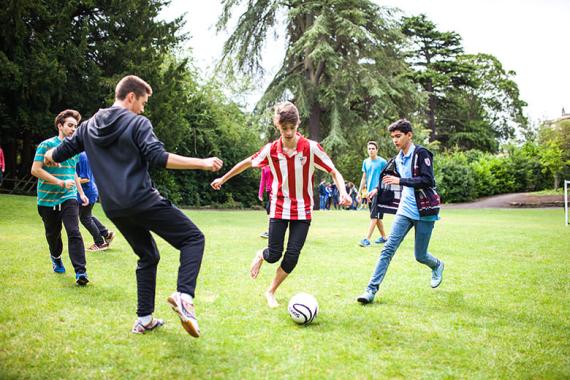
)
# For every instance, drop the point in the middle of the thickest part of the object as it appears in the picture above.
(454, 178)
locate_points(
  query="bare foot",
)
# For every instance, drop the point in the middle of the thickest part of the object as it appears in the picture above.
(256, 264)
(271, 301)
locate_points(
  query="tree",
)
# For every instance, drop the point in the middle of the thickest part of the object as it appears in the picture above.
(473, 103)
(58, 54)
(342, 62)
(433, 55)
(554, 143)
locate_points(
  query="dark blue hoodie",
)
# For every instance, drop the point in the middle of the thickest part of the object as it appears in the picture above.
(121, 146)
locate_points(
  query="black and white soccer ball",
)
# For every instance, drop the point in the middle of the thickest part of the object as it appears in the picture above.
(303, 308)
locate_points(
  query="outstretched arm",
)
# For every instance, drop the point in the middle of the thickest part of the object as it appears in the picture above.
(238, 168)
(176, 161)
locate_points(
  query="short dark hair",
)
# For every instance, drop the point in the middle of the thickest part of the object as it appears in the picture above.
(286, 113)
(132, 83)
(60, 118)
(401, 125)
(373, 143)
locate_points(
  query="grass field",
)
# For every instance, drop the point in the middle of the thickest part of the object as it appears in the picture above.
(502, 311)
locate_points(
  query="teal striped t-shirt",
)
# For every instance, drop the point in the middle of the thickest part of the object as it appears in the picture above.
(49, 194)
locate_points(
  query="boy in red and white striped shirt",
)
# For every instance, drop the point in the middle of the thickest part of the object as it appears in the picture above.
(292, 160)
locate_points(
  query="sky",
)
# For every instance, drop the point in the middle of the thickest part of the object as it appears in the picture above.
(530, 37)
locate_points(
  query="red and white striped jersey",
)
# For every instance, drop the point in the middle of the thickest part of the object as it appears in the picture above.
(292, 186)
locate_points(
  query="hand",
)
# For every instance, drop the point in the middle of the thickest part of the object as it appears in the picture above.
(212, 164)
(345, 200)
(48, 159)
(371, 194)
(260, 199)
(217, 183)
(67, 184)
(84, 199)
(391, 180)
(358, 198)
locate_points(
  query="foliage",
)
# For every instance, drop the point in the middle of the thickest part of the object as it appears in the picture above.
(53, 329)
(464, 176)
(342, 66)
(61, 54)
(473, 103)
(455, 178)
(554, 139)
(202, 123)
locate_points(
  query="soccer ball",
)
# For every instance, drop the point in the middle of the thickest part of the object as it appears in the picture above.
(303, 308)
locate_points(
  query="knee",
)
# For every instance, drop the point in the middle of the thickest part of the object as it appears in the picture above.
(290, 261)
(271, 255)
(422, 259)
(151, 259)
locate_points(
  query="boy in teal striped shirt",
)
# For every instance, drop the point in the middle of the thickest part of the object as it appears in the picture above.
(57, 199)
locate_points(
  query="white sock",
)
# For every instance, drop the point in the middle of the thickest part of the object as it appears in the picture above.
(187, 298)
(146, 319)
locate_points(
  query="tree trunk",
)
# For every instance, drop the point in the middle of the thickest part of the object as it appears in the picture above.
(556, 181)
(315, 122)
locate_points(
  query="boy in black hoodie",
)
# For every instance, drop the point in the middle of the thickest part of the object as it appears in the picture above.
(121, 146)
(407, 188)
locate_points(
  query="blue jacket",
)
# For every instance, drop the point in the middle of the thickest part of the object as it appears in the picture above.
(423, 182)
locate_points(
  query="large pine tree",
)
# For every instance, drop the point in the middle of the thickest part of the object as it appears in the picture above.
(342, 64)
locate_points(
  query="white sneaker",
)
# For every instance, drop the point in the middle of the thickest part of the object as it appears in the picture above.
(437, 275)
(185, 311)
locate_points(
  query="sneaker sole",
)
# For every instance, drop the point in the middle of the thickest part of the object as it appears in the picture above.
(97, 250)
(82, 281)
(188, 326)
(363, 301)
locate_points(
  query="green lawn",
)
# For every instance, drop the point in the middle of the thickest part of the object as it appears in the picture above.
(503, 310)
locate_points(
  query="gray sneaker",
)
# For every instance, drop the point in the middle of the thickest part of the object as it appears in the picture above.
(437, 275)
(365, 298)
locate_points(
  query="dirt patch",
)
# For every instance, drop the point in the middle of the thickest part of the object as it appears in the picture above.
(515, 200)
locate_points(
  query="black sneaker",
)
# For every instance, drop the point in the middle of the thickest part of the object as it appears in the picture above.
(81, 279)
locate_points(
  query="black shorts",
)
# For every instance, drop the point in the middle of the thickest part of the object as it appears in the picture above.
(375, 212)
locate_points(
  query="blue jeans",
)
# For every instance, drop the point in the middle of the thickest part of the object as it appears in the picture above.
(402, 225)
(322, 202)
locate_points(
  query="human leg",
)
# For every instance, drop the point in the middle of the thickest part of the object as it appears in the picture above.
(75, 247)
(144, 246)
(274, 250)
(102, 229)
(298, 230)
(51, 218)
(401, 227)
(371, 227)
(423, 231)
(88, 221)
(52, 225)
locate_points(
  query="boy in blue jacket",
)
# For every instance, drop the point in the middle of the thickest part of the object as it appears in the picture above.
(407, 188)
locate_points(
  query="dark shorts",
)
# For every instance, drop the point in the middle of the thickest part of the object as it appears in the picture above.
(375, 212)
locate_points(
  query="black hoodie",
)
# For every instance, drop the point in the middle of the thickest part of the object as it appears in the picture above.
(120, 146)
